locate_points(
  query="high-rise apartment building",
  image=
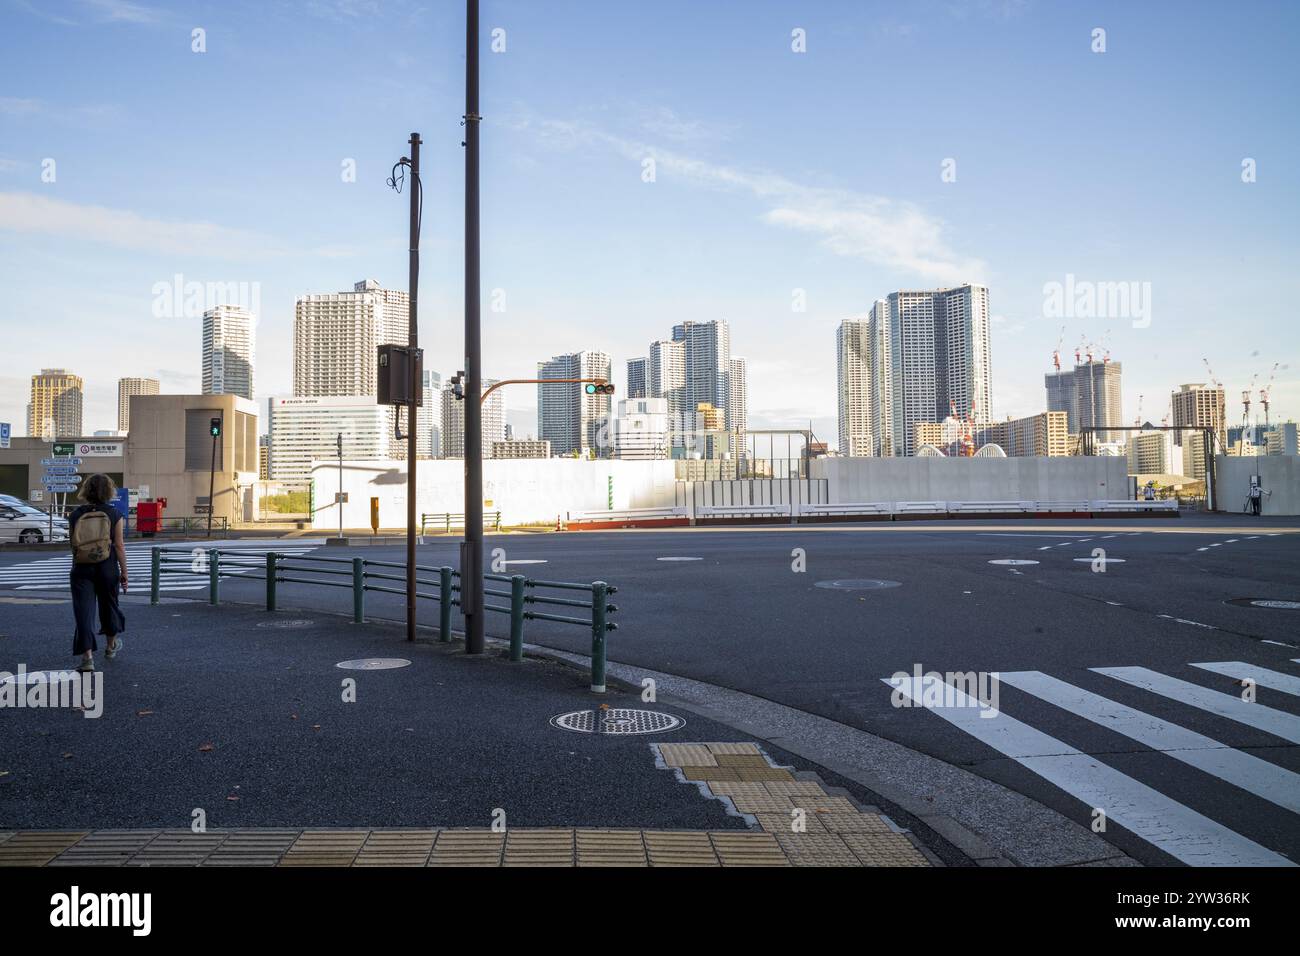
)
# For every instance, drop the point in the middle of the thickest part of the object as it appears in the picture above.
(666, 378)
(126, 387)
(228, 345)
(853, 388)
(1090, 395)
(336, 338)
(738, 405)
(637, 380)
(707, 350)
(567, 416)
(429, 418)
(1045, 435)
(453, 420)
(55, 409)
(1201, 406)
(929, 359)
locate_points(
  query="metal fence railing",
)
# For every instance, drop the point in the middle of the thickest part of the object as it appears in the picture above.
(185, 525)
(444, 521)
(519, 600)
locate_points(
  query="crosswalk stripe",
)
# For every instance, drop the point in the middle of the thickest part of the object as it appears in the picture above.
(45, 574)
(1275, 784)
(1271, 721)
(1164, 823)
(1286, 683)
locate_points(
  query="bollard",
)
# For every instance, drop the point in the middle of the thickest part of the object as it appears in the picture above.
(444, 604)
(358, 590)
(155, 566)
(270, 580)
(517, 582)
(598, 637)
(214, 576)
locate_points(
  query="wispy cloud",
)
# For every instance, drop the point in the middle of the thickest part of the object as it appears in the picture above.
(15, 106)
(875, 229)
(122, 11)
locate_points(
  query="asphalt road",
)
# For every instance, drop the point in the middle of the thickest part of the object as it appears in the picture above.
(1183, 771)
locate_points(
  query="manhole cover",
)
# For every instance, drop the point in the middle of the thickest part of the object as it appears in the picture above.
(618, 720)
(1266, 602)
(859, 584)
(373, 664)
(288, 622)
(1012, 561)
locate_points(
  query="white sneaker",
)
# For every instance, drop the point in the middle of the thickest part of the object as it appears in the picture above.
(114, 645)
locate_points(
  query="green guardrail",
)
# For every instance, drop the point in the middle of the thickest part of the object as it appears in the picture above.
(450, 520)
(523, 595)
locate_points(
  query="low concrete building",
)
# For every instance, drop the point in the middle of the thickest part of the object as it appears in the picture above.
(522, 448)
(170, 452)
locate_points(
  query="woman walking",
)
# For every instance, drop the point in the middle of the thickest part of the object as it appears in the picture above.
(95, 530)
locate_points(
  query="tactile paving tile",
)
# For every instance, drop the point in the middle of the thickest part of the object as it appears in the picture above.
(610, 848)
(252, 848)
(763, 774)
(816, 849)
(37, 847)
(325, 848)
(687, 755)
(539, 848)
(823, 803)
(105, 848)
(883, 849)
(737, 748)
(398, 847)
(761, 803)
(679, 848)
(786, 788)
(178, 848)
(733, 788)
(784, 822)
(852, 822)
(743, 760)
(467, 848)
(748, 849)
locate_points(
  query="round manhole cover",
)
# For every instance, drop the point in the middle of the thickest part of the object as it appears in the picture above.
(1012, 561)
(618, 720)
(288, 622)
(373, 664)
(1271, 603)
(859, 584)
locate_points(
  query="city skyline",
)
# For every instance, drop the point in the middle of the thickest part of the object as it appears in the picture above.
(735, 223)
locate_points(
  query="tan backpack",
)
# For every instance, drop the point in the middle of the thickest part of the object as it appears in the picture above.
(92, 538)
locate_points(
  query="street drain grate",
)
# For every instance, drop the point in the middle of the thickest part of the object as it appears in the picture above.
(288, 622)
(373, 664)
(618, 720)
(859, 584)
(1265, 602)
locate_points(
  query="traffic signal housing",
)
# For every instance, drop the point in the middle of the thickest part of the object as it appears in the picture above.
(214, 427)
(458, 385)
(599, 388)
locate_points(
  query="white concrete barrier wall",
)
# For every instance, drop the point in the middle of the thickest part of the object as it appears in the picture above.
(524, 490)
(973, 479)
(1280, 474)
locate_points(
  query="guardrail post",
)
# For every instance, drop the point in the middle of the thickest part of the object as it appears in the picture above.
(214, 576)
(598, 637)
(448, 517)
(358, 590)
(270, 580)
(155, 571)
(444, 604)
(517, 582)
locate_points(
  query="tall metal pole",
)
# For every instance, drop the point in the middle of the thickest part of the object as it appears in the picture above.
(212, 480)
(340, 497)
(471, 559)
(412, 341)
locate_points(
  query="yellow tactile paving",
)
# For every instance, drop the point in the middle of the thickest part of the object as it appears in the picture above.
(763, 774)
(734, 748)
(396, 848)
(816, 849)
(748, 849)
(851, 822)
(467, 848)
(822, 803)
(539, 848)
(743, 760)
(687, 755)
(883, 849)
(784, 822)
(325, 848)
(106, 848)
(709, 773)
(37, 847)
(610, 848)
(252, 848)
(667, 848)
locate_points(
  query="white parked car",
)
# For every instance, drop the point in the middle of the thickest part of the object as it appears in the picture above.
(29, 526)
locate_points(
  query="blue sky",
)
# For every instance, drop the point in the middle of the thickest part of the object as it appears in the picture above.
(775, 171)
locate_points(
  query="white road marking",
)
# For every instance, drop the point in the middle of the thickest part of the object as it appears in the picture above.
(1275, 722)
(1104, 560)
(1164, 823)
(679, 559)
(1012, 561)
(1264, 678)
(525, 561)
(1275, 784)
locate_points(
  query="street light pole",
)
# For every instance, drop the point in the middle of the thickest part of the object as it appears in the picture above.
(340, 497)
(412, 341)
(471, 556)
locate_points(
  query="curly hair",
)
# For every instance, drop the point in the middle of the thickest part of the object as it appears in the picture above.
(97, 490)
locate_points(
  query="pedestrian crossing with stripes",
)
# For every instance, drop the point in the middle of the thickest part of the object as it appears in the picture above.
(1220, 771)
(51, 574)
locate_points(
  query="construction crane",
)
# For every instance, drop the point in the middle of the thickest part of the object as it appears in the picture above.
(1209, 371)
(1138, 423)
(1264, 390)
(1056, 352)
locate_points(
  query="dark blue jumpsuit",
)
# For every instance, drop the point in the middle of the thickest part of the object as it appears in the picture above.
(94, 588)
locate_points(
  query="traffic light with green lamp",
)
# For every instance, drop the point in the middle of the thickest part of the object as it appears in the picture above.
(214, 427)
(599, 388)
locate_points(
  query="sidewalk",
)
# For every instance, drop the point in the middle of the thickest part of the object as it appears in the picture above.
(237, 718)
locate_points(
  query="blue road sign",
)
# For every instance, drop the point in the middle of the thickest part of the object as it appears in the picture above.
(60, 462)
(5, 433)
(60, 488)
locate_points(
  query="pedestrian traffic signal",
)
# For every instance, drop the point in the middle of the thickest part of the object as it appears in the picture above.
(458, 385)
(600, 388)
(214, 427)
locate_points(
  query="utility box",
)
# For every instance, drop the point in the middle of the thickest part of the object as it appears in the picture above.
(401, 375)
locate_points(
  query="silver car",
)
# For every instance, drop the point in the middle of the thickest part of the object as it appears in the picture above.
(27, 525)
